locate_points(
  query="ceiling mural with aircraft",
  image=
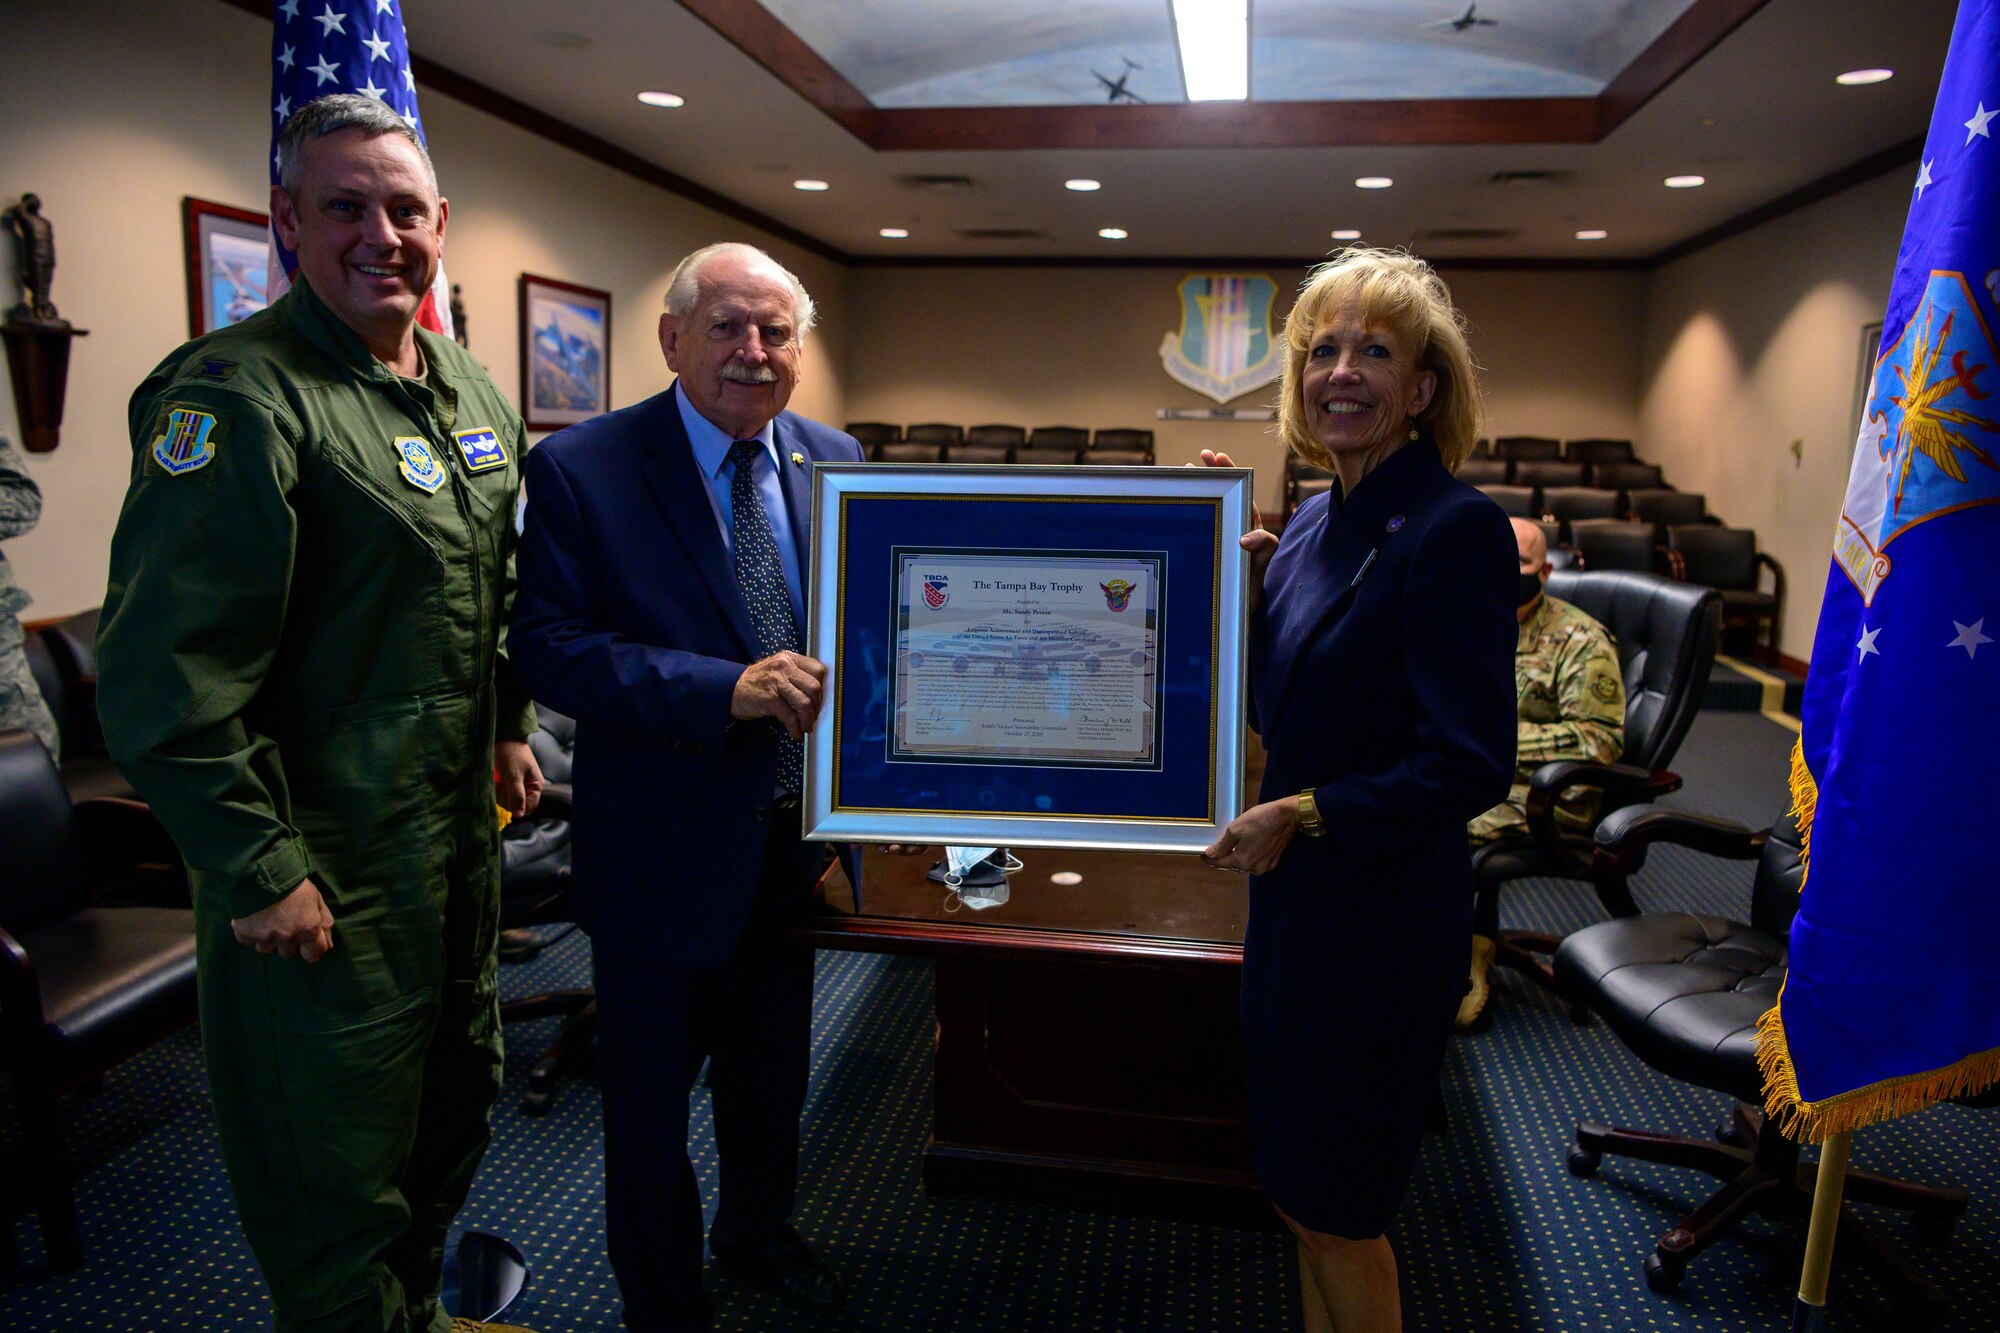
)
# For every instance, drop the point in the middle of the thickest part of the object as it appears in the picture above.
(943, 53)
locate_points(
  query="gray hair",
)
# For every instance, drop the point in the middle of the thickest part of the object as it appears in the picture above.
(684, 288)
(332, 114)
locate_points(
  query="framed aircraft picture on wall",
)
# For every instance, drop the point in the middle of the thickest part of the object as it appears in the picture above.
(565, 352)
(228, 259)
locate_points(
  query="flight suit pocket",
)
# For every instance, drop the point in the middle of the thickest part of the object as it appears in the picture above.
(359, 780)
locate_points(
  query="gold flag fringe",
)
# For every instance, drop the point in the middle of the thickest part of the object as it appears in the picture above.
(1812, 1122)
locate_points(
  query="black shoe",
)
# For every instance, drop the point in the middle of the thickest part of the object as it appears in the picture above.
(784, 1266)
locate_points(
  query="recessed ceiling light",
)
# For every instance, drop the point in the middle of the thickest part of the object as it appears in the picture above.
(809, 185)
(1082, 183)
(663, 99)
(1372, 182)
(1347, 234)
(1592, 234)
(893, 233)
(1112, 233)
(1854, 78)
(1684, 182)
(1214, 37)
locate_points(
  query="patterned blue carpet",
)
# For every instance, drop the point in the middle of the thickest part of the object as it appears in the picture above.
(1495, 1235)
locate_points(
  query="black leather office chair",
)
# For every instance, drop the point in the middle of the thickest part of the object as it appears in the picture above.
(1598, 451)
(63, 658)
(1684, 992)
(1548, 473)
(978, 451)
(84, 983)
(1302, 482)
(869, 434)
(1005, 441)
(1660, 507)
(1727, 559)
(1615, 544)
(907, 451)
(1054, 444)
(1666, 634)
(1515, 501)
(1527, 448)
(1121, 447)
(1567, 504)
(534, 891)
(1626, 477)
(1485, 472)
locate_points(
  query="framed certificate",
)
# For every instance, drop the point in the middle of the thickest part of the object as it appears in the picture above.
(1028, 656)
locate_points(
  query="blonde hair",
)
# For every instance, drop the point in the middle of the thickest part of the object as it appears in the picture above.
(1393, 289)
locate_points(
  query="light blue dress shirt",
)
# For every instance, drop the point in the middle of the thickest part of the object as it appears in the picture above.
(711, 455)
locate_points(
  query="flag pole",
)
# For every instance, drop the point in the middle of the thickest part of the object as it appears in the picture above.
(1809, 1310)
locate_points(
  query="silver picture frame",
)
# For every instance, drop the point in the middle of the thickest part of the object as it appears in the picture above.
(828, 814)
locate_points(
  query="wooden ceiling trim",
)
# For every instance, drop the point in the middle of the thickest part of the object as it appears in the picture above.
(1690, 37)
(1238, 125)
(761, 35)
(1229, 264)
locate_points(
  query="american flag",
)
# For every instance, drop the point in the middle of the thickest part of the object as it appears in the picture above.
(320, 47)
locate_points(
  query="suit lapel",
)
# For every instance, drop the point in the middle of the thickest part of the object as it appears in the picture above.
(682, 492)
(797, 481)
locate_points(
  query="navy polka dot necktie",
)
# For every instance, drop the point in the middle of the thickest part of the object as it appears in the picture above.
(761, 574)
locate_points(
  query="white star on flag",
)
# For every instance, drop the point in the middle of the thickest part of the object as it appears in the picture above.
(409, 80)
(369, 89)
(410, 120)
(378, 49)
(327, 73)
(1867, 644)
(1977, 125)
(290, 9)
(1924, 178)
(283, 108)
(1969, 636)
(330, 22)
(383, 6)
(286, 58)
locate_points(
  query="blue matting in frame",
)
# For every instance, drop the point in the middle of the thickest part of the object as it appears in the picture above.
(875, 527)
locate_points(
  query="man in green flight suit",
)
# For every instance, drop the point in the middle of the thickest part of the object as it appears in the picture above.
(1571, 695)
(301, 670)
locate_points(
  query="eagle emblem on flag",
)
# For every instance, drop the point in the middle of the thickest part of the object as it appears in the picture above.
(937, 591)
(1117, 594)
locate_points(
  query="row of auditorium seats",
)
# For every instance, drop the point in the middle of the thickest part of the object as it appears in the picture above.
(1544, 449)
(1651, 529)
(939, 442)
(1620, 476)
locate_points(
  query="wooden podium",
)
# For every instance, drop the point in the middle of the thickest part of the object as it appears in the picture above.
(1088, 1048)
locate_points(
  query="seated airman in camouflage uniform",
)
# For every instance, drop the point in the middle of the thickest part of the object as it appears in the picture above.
(22, 707)
(1572, 706)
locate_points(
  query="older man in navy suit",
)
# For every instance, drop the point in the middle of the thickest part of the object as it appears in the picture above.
(661, 605)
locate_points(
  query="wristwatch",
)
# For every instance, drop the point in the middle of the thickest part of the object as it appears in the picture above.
(1310, 823)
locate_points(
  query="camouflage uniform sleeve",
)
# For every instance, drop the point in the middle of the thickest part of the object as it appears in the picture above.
(1590, 696)
(201, 567)
(514, 709)
(20, 498)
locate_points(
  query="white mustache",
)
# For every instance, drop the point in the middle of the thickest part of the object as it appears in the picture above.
(750, 374)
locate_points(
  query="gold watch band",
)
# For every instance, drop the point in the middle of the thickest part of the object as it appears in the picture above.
(1310, 823)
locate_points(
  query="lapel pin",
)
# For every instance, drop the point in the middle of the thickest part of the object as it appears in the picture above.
(1396, 523)
(799, 459)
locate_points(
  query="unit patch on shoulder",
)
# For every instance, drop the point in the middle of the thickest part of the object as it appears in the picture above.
(185, 442)
(1603, 686)
(481, 449)
(418, 464)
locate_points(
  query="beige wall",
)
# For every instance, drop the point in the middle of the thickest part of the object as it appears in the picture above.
(1754, 344)
(114, 111)
(1080, 347)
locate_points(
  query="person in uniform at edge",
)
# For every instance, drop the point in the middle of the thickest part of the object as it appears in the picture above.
(1381, 645)
(661, 606)
(22, 707)
(1571, 696)
(301, 671)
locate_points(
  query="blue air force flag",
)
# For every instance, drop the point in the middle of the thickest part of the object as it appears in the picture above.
(1892, 1000)
(321, 47)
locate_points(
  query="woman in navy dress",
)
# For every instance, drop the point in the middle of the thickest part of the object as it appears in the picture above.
(1382, 681)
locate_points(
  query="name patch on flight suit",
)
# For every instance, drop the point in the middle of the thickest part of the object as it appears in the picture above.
(480, 448)
(185, 441)
(418, 464)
